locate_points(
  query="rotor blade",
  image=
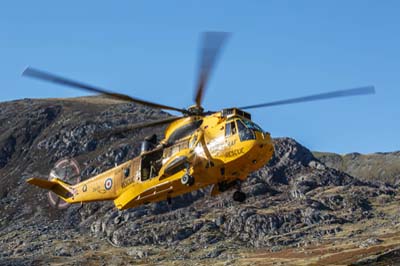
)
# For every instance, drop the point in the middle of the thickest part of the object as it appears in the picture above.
(122, 129)
(212, 43)
(316, 97)
(38, 74)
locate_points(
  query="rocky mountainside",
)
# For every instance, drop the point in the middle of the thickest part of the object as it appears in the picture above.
(299, 211)
(377, 166)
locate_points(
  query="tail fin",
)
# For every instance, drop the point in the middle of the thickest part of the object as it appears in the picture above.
(56, 185)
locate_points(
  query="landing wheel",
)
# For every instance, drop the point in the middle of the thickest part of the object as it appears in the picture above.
(68, 171)
(224, 185)
(239, 196)
(187, 180)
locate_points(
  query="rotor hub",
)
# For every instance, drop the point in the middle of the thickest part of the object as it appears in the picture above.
(195, 110)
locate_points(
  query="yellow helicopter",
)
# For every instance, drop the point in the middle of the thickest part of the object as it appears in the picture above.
(200, 148)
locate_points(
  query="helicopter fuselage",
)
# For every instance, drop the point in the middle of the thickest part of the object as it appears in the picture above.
(217, 149)
(199, 149)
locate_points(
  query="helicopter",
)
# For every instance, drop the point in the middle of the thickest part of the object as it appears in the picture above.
(200, 148)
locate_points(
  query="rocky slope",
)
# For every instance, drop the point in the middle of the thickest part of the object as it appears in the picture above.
(298, 211)
(377, 166)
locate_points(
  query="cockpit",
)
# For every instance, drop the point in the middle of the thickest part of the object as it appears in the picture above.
(245, 128)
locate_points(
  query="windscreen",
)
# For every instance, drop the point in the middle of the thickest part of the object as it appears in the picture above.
(251, 125)
(244, 132)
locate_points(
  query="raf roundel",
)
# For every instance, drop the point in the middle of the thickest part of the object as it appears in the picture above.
(108, 184)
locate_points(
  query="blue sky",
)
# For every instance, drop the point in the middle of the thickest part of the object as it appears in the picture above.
(279, 49)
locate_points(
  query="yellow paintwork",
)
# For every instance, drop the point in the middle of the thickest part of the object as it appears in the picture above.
(211, 158)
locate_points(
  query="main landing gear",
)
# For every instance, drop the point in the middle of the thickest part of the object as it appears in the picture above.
(187, 180)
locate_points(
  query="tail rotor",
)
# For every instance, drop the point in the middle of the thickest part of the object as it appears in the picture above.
(67, 170)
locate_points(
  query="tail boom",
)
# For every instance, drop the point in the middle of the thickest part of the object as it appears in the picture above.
(94, 189)
(62, 189)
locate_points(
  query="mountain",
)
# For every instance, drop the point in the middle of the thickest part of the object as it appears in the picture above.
(383, 166)
(299, 210)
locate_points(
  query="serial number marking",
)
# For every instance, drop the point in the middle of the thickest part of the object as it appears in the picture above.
(99, 189)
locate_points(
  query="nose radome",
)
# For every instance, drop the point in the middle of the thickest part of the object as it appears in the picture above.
(261, 152)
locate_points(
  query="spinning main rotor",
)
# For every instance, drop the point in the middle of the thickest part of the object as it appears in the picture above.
(211, 46)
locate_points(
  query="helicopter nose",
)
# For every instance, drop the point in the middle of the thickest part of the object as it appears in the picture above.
(261, 151)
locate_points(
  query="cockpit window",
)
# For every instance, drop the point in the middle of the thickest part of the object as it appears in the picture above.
(251, 125)
(244, 132)
(230, 128)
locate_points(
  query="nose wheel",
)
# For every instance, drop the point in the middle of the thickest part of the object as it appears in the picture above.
(238, 195)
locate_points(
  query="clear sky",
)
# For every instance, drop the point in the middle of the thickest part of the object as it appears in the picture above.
(279, 49)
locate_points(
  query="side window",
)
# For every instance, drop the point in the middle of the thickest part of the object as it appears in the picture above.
(230, 128)
(233, 127)
(127, 172)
